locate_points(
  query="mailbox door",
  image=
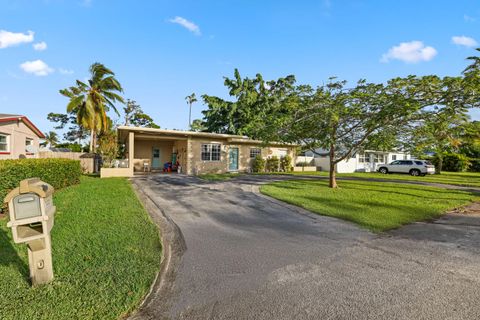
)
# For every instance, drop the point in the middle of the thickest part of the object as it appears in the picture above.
(27, 206)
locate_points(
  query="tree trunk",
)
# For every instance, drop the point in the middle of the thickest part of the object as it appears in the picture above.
(333, 175)
(92, 142)
(190, 118)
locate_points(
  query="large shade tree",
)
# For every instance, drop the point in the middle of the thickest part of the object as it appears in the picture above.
(135, 116)
(250, 100)
(91, 101)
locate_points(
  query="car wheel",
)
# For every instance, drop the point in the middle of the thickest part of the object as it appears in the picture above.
(383, 170)
(415, 172)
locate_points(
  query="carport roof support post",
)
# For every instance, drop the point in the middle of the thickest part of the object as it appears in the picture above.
(131, 149)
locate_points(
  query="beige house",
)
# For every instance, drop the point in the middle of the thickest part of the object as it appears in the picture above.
(19, 138)
(189, 152)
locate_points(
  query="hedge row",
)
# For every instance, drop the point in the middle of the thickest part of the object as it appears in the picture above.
(457, 162)
(59, 173)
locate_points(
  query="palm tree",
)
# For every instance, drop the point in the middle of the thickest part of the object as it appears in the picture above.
(92, 101)
(190, 100)
(51, 139)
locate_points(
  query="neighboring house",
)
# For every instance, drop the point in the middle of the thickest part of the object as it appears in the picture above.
(19, 138)
(149, 149)
(365, 161)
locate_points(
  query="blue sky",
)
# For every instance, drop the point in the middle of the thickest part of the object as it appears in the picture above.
(162, 51)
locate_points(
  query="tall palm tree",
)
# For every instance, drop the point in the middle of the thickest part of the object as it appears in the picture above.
(190, 100)
(92, 100)
(51, 139)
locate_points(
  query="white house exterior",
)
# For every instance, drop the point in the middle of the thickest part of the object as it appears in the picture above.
(366, 161)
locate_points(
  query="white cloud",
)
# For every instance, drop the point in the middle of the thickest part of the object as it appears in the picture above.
(464, 41)
(37, 67)
(65, 71)
(189, 25)
(10, 39)
(40, 46)
(410, 52)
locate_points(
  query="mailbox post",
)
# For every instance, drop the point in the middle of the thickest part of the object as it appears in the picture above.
(31, 213)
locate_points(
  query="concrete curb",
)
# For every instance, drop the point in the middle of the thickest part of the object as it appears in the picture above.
(173, 244)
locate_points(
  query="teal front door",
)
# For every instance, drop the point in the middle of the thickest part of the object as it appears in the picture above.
(233, 159)
(156, 158)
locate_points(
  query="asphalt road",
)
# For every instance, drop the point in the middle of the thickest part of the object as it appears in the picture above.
(233, 254)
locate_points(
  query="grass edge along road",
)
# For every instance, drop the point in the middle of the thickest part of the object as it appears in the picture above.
(106, 253)
(377, 206)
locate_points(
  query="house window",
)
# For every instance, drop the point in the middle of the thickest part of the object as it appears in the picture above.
(378, 158)
(394, 157)
(405, 157)
(361, 157)
(3, 143)
(211, 152)
(254, 152)
(28, 142)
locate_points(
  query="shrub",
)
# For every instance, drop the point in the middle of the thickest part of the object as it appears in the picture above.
(59, 173)
(108, 148)
(273, 164)
(454, 162)
(258, 164)
(286, 164)
(474, 165)
(304, 164)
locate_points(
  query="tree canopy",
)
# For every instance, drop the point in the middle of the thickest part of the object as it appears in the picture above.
(422, 112)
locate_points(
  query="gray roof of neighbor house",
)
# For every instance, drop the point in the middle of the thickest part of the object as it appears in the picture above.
(5, 117)
(123, 130)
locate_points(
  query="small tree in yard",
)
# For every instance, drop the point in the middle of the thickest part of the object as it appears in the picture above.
(258, 164)
(273, 164)
(108, 147)
(286, 163)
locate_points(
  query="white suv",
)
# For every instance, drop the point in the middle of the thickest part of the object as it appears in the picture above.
(413, 167)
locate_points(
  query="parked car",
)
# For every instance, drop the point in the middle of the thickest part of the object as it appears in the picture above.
(412, 167)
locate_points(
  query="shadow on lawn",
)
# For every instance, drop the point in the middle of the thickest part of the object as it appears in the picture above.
(433, 194)
(9, 256)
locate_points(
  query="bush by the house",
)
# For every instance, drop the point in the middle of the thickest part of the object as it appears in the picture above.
(304, 164)
(59, 173)
(258, 164)
(454, 162)
(286, 164)
(273, 164)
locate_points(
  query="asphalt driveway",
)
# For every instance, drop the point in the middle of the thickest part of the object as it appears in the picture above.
(233, 254)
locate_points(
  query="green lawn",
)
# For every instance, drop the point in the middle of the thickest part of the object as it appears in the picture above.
(377, 206)
(106, 253)
(469, 179)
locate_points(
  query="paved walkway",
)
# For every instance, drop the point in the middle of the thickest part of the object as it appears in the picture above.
(232, 254)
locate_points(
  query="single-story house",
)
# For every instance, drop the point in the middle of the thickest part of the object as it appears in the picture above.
(19, 137)
(365, 161)
(148, 149)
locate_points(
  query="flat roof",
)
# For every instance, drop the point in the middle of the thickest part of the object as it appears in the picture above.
(123, 130)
